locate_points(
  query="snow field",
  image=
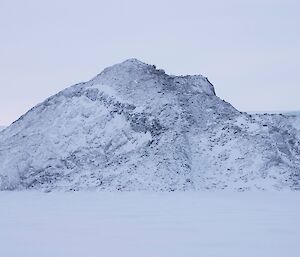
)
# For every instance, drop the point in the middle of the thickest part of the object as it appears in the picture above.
(140, 224)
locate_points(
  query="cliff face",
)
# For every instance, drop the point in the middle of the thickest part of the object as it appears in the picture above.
(133, 127)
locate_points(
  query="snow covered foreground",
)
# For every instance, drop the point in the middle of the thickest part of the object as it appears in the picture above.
(183, 224)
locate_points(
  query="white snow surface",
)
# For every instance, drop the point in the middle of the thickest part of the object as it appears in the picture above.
(133, 127)
(2, 127)
(135, 224)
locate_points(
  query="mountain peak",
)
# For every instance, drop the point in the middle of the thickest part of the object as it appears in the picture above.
(129, 65)
(127, 75)
(133, 61)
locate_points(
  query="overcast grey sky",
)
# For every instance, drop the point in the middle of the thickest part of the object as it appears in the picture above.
(250, 49)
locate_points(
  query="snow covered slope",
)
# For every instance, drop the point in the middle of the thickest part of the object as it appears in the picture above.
(2, 127)
(133, 127)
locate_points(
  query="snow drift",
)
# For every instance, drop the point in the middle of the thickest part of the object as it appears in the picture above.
(133, 127)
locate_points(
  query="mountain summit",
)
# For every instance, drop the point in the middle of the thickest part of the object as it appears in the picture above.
(133, 127)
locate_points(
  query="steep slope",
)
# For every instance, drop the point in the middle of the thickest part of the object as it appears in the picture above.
(133, 127)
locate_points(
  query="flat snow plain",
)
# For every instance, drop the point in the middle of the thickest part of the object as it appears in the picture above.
(140, 224)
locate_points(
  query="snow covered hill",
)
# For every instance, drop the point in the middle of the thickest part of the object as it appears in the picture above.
(2, 127)
(133, 127)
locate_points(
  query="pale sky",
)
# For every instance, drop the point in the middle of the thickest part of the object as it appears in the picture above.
(249, 50)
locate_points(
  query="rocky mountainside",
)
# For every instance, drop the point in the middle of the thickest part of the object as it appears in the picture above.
(133, 127)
